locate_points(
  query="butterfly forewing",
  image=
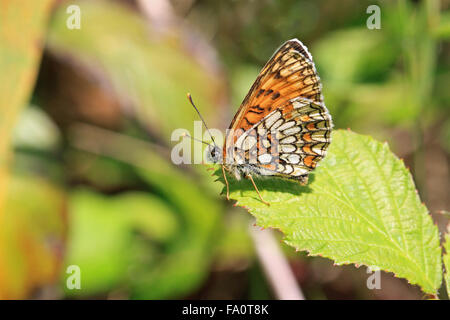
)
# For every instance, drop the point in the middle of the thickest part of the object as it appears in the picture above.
(290, 73)
(282, 127)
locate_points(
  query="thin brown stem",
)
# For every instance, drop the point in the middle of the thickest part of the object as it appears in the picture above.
(275, 265)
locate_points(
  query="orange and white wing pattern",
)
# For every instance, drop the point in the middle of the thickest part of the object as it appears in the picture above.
(283, 127)
(290, 73)
(293, 139)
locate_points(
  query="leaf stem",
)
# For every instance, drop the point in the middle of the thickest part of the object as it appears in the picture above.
(275, 265)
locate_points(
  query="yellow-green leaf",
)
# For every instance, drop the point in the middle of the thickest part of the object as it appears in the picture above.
(32, 237)
(360, 207)
(22, 25)
(446, 259)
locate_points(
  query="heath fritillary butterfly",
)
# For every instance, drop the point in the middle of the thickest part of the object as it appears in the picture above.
(282, 128)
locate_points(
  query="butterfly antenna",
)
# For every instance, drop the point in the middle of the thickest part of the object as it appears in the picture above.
(204, 123)
(189, 136)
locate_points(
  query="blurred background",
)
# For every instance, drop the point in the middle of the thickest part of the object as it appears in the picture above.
(85, 137)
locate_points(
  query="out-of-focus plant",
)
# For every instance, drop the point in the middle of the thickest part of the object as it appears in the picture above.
(148, 74)
(21, 49)
(154, 269)
(32, 227)
(158, 242)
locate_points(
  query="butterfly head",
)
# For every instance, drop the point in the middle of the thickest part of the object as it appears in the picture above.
(214, 154)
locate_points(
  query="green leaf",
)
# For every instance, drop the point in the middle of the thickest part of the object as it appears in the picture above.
(446, 259)
(360, 207)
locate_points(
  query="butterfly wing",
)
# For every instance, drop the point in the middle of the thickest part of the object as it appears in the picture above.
(288, 74)
(282, 127)
(288, 142)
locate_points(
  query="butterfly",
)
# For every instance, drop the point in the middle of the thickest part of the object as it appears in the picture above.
(282, 128)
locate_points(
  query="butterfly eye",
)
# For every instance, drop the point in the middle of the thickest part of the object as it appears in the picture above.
(214, 154)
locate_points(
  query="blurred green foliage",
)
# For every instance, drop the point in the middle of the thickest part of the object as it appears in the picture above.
(126, 230)
(149, 74)
(30, 232)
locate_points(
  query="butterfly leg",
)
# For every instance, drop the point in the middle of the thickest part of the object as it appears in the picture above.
(257, 191)
(226, 182)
